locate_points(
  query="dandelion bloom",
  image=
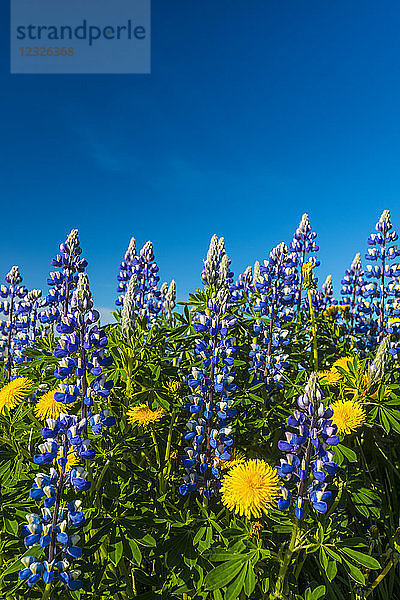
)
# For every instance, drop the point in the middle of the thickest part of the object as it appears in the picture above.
(334, 376)
(348, 415)
(48, 408)
(251, 488)
(144, 416)
(14, 392)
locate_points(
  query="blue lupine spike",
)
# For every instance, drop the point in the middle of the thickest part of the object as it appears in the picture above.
(308, 451)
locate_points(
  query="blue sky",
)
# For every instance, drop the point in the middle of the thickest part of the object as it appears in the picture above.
(253, 114)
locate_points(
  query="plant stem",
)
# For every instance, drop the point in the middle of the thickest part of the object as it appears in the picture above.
(46, 592)
(314, 332)
(381, 575)
(279, 592)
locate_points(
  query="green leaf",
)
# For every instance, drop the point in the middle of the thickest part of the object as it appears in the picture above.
(355, 573)
(318, 592)
(137, 555)
(331, 570)
(250, 580)
(223, 574)
(236, 586)
(363, 559)
(116, 554)
(347, 452)
(199, 535)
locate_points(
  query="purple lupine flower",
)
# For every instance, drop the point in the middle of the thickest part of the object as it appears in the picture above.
(144, 297)
(13, 338)
(382, 297)
(272, 296)
(63, 282)
(309, 459)
(303, 243)
(212, 380)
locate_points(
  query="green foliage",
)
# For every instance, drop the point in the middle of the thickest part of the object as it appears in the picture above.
(143, 540)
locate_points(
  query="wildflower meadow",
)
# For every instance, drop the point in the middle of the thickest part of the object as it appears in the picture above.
(244, 443)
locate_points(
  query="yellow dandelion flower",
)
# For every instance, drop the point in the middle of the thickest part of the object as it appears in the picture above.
(334, 309)
(334, 376)
(237, 458)
(329, 377)
(143, 415)
(348, 415)
(250, 488)
(14, 392)
(344, 307)
(394, 321)
(48, 408)
(331, 311)
(342, 362)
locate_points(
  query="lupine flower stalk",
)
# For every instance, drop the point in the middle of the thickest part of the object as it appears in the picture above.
(308, 450)
(81, 350)
(64, 282)
(272, 296)
(309, 285)
(309, 462)
(147, 298)
(81, 334)
(211, 403)
(65, 443)
(10, 294)
(302, 244)
(352, 284)
(384, 253)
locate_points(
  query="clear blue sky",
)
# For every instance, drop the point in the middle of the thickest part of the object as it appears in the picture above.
(254, 113)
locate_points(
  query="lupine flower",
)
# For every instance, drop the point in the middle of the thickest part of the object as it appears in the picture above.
(302, 244)
(65, 443)
(250, 488)
(48, 407)
(309, 457)
(79, 330)
(143, 415)
(271, 296)
(210, 404)
(64, 282)
(145, 298)
(353, 284)
(327, 299)
(169, 300)
(13, 341)
(379, 365)
(348, 416)
(128, 314)
(383, 298)
(14, 392)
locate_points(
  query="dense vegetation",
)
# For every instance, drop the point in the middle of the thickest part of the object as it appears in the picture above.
(243, 446)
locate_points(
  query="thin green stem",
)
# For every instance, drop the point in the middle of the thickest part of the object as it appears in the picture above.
(381, 575)
(156, 447)
(314, 332)
(280, 586)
